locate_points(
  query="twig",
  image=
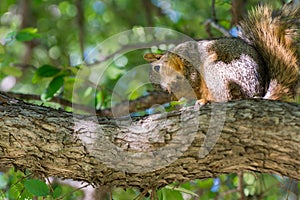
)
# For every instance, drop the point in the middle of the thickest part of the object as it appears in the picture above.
(238, 9)
(80, 22)
(77, 189)
(25, 6)
(210, 22)
(213, 10)
(226, 193)
(241, 185)
(58, 100)
(148, 6)
(213, 22)
(139, 104)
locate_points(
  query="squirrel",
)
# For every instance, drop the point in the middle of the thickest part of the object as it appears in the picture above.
(261, 62)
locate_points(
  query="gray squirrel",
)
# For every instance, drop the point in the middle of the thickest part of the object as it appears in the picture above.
(261, 62)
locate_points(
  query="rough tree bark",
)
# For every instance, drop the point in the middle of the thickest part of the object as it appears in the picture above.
(152, 151)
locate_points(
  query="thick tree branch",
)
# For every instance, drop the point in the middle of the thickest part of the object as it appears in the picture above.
(257, 135)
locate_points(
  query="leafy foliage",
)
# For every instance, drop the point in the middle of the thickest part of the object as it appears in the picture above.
(27, 34)
(36, 187)
(44, 45)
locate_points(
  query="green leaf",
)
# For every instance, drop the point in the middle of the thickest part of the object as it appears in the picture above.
(249, 178)
(47, 71)
(2, 195)
(10, 38)
(2, 49)
(36, 78)
(27, 34)
(25, 194)
(121, 194)
(2, 53)
(54, 86)
(14, 192)
(166, 194)
(181, 189)
(2, 57)
(57, 192)
(205, 183)
(36, 187)
(12, 71)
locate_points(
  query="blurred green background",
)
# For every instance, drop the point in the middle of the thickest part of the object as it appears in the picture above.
(46, 44)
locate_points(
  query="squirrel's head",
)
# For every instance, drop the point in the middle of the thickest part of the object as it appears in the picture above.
(168, 70)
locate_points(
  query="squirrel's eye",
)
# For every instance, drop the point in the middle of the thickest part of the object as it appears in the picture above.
(156, 68)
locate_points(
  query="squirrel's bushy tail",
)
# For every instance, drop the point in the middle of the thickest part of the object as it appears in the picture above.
(275, 35)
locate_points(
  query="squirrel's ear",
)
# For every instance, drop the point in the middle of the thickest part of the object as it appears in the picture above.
(175, 61)
(150, 57)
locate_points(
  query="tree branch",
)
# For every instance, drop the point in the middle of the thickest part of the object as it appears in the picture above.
(215, 25)
(238, 10)
(140, 104)
(145, 152)
(80, 23)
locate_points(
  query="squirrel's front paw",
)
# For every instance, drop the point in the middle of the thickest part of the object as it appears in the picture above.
(199, 103)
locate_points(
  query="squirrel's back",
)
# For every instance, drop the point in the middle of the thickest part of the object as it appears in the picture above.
(275, 35)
